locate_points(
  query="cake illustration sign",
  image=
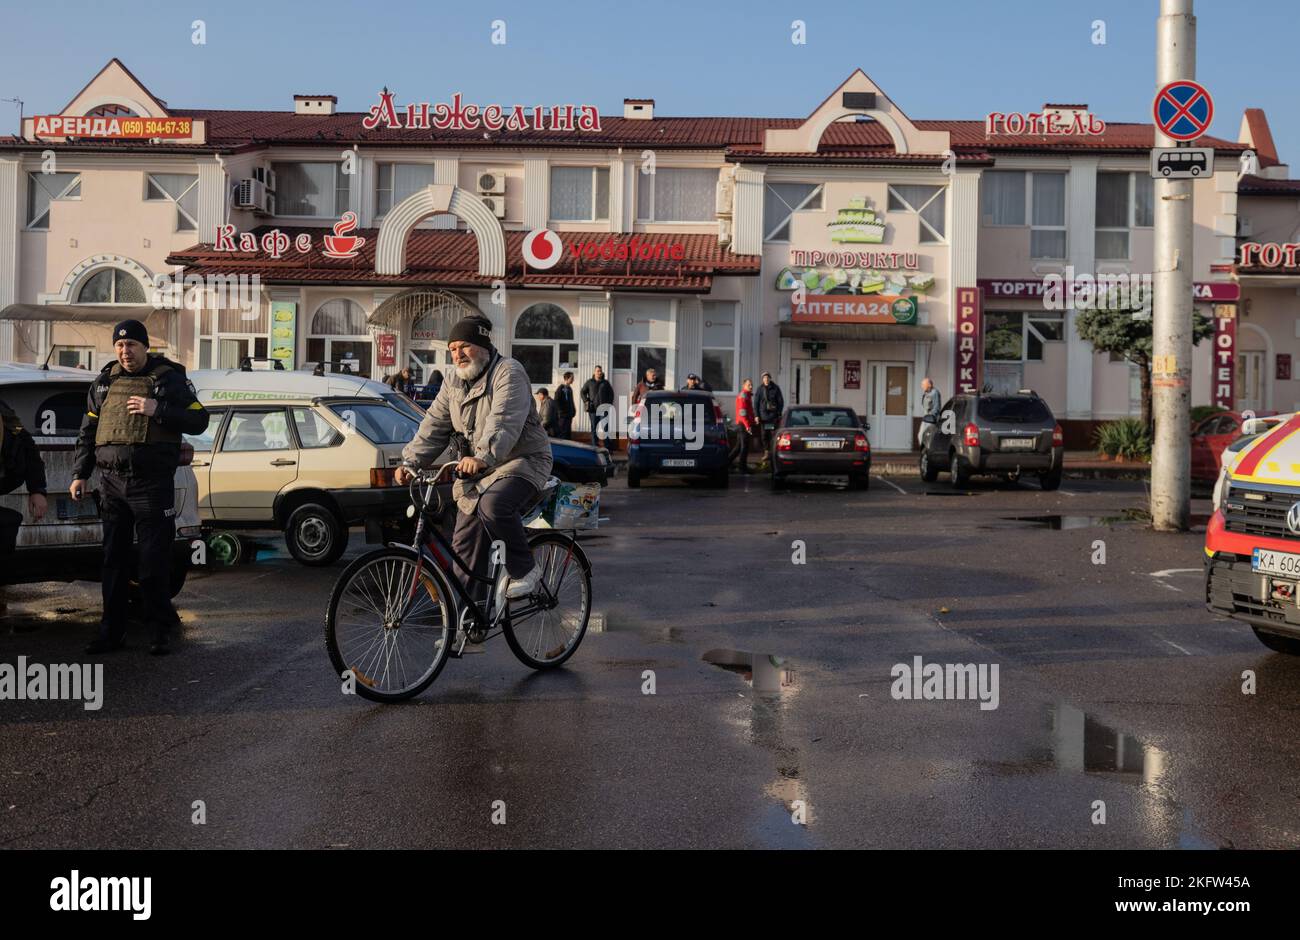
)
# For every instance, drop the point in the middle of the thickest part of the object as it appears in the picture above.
(856, 224)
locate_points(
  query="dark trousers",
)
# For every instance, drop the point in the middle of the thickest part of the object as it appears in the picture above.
(597, 438)
(497, 516)
(742, 448)
(139, 507)
(566, 427)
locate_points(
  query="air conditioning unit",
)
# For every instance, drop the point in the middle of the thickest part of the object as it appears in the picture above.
(252, 194)
(266, 176)
(492, 183)
(497, 204)
(725, 195)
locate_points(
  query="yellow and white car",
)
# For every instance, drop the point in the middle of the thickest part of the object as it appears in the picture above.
(309, 455)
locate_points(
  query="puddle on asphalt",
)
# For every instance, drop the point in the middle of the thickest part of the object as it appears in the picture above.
(1057, 523)
(1082, 744)
(763, 721)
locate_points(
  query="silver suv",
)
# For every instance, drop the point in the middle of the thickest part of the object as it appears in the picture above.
(1005, 435)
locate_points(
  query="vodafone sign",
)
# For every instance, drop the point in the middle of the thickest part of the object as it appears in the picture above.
(542, 249)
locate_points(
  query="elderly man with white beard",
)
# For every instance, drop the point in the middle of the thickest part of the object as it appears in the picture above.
(489, 400)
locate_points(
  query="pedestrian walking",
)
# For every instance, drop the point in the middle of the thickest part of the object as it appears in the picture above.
(597, 393)
(769, 405)
(931, 404)
(547, 413)
(745, 422)
(136, 411)
(564, 406)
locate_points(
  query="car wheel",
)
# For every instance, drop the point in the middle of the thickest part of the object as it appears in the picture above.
(314, 535)
(960, 473)
(633, 478)
(720, 480)
(1278, 644)
(1050, 480)
(929, 472)
(779, 481)
(859, 481)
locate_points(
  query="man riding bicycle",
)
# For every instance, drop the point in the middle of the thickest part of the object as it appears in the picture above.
(489, 401)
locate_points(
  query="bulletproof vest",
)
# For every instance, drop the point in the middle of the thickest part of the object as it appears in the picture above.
(117, 425)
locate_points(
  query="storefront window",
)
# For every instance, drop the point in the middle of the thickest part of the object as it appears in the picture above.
(782, 200)
(44, 188)
(579, 193)
(339, 335)
(544, 343)
(1015, 336)
(677, 194)
(927, 201)
(319, 190)
(396, 181)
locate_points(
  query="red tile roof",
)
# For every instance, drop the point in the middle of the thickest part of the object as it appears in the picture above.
(1262, 135)
(447, 257)
(1263, 186)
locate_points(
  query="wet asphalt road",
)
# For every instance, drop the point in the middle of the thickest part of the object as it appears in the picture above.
(1115, 685)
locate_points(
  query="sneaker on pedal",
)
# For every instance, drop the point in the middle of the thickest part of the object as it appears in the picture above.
(521, 587)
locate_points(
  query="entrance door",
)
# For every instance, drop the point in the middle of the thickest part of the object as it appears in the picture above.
(1250, 381)
(814, 382)
(889, 405)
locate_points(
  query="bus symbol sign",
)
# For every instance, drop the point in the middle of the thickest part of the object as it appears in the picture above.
(1182, 163)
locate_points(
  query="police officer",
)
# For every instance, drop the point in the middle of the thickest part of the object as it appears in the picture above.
(20, 462)
(136, 412)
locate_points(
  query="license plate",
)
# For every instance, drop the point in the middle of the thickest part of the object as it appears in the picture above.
(678, 463)
(1279, 563)
(1018, 443)
(822, 445)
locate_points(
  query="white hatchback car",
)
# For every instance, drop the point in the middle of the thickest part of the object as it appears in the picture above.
(67, 545)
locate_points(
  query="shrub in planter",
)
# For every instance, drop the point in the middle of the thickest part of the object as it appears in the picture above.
(1126, 439)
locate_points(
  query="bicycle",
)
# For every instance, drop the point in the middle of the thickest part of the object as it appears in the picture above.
(396, 613)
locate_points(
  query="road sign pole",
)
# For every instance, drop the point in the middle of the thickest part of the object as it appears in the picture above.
(1172, 313)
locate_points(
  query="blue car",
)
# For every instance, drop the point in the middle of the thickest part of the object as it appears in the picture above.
(680, 433)
(580, 463)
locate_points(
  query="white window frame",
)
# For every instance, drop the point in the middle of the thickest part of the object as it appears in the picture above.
(595, 168)
(1027, 317)
(1065, 214)
(1130, 218)
(174, 200)
(338, 171)
(649, 178)
(818, 192)
(940, 239)
(62, 197)
(91, 275)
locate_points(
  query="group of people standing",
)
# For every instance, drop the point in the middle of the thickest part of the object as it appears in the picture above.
(758, 412)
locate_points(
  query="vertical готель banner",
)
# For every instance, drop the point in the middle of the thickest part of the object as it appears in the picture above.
(1225, 356)
(284, 327)
(968, 344)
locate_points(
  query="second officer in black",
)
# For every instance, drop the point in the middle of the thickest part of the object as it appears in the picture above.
(136, 412)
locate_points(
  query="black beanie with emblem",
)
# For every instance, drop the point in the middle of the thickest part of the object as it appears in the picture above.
(473, 329)
(131, 329)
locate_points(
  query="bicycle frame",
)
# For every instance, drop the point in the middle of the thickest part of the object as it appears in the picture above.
(426, 550)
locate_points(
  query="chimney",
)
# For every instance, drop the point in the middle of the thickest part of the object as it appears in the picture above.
(314, 104)
(638, 109)
(1067, 111)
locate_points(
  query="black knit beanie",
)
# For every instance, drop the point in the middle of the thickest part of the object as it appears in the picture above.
(476, 330)
(131, 329)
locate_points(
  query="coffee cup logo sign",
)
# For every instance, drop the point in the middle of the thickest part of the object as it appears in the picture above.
(276, 243)
(458, 116)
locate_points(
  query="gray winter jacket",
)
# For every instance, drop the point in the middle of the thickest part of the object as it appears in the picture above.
(495, 413)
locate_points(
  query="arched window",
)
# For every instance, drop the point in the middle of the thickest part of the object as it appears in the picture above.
(544, 343)
(111, 110)
(339, 335)
(111, 286)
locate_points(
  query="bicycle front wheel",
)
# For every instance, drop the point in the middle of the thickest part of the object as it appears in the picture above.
(393, 640)
(545, 629)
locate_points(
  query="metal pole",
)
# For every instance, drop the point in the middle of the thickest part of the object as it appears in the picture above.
(1172, 311)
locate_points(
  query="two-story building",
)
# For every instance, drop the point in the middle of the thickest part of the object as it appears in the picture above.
(839, 251)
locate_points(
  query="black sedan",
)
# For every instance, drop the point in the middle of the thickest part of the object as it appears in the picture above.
(821, 440)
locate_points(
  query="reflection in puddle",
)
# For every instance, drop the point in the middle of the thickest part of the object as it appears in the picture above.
(1083, 744)
(762, 717)
(1058, 523)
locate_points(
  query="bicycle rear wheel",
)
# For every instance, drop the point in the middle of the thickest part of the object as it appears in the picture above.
(545, 629)
(394, 641)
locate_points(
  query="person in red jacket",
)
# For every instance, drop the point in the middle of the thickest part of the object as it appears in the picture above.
(746, 423)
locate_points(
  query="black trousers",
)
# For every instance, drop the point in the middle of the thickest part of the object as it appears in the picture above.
(497, 516)
(143, 508)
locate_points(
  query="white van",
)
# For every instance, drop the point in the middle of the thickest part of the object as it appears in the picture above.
(309, 455)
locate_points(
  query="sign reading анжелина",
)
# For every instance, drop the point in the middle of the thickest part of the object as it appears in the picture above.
(458, 116)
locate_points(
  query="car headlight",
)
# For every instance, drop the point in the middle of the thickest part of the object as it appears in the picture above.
(1222, 487)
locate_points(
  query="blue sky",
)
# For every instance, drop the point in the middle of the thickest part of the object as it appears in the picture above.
(936, 59)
